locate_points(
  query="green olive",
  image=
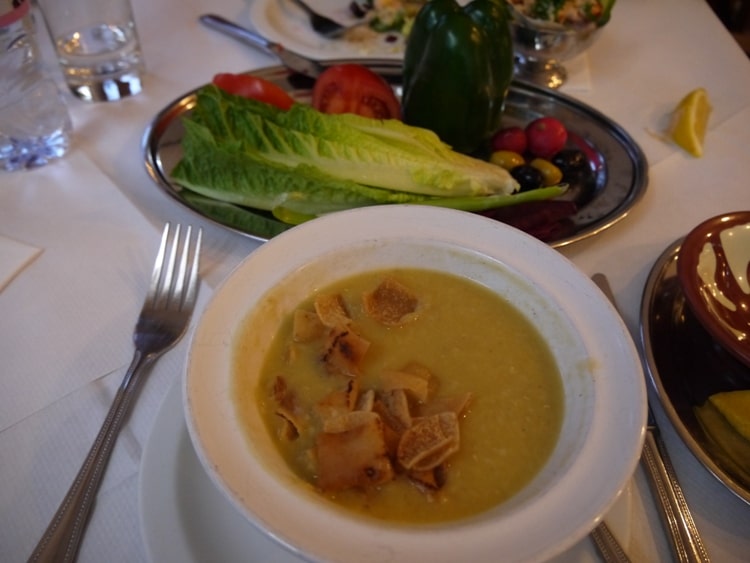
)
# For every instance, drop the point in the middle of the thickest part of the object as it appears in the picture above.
(507, 159)
(551, 174)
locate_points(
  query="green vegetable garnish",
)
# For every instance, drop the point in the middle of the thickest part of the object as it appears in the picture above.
(607, 6)
(259, 223)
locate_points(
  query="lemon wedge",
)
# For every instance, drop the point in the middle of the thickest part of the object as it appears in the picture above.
(689, 121)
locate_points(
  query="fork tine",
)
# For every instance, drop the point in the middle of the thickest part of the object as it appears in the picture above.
(163, 292)
(175, 295)
(192, 289)
(184, 297)
(153, 287)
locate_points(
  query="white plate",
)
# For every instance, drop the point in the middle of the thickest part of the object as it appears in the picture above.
(282, 21)
(185, 518)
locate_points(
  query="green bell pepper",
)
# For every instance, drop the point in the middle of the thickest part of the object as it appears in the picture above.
(458, 66)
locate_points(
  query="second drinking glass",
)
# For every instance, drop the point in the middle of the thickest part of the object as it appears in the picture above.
(97, 46)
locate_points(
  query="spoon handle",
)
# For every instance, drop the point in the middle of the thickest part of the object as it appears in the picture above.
(608, 546)
(686, 540)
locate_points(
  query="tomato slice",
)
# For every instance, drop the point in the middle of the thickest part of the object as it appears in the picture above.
(254, 87)
(353, 88)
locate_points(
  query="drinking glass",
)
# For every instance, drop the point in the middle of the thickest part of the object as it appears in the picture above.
(34, 122)
(97, 46)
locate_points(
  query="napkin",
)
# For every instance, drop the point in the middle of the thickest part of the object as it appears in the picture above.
(14, 257)
(42, 453)
(66, 342)
(86, 287)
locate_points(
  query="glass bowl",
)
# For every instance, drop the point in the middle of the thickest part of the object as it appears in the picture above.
(541, 47)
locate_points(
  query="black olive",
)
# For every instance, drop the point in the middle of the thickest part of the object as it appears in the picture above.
(528, 177)
(571, 161)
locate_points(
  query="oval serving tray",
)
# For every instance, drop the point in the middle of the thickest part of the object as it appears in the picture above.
(618, 182)
(686, 366)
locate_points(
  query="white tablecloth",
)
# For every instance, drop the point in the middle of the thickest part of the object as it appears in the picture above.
(66, 318)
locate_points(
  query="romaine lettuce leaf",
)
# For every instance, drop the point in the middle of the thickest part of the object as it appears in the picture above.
(384, 154)
(227, 172)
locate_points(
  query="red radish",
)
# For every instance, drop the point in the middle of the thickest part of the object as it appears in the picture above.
(511, 139)
(546, 136)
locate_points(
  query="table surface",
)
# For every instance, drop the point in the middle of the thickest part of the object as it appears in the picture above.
(67, 318)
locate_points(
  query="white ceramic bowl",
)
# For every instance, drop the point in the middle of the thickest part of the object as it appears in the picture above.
(605, 401)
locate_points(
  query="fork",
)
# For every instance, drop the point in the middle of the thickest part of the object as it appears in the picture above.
(322, 25)
(163, 320)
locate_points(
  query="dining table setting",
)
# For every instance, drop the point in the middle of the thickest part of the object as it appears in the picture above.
(79, 235)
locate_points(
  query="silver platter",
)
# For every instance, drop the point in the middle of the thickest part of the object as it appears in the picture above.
(618, 181)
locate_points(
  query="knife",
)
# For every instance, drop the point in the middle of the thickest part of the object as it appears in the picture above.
(686, 541)
(294, 61)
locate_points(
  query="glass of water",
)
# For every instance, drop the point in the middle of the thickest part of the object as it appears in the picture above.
(34, 122)
(97, 46)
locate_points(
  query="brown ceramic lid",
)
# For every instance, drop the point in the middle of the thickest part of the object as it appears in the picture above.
(713, 268)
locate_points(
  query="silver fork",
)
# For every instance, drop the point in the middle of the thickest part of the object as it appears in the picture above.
(321, 24)
(163, 319)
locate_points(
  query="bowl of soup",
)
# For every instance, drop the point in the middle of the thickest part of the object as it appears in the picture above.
(405, 383)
